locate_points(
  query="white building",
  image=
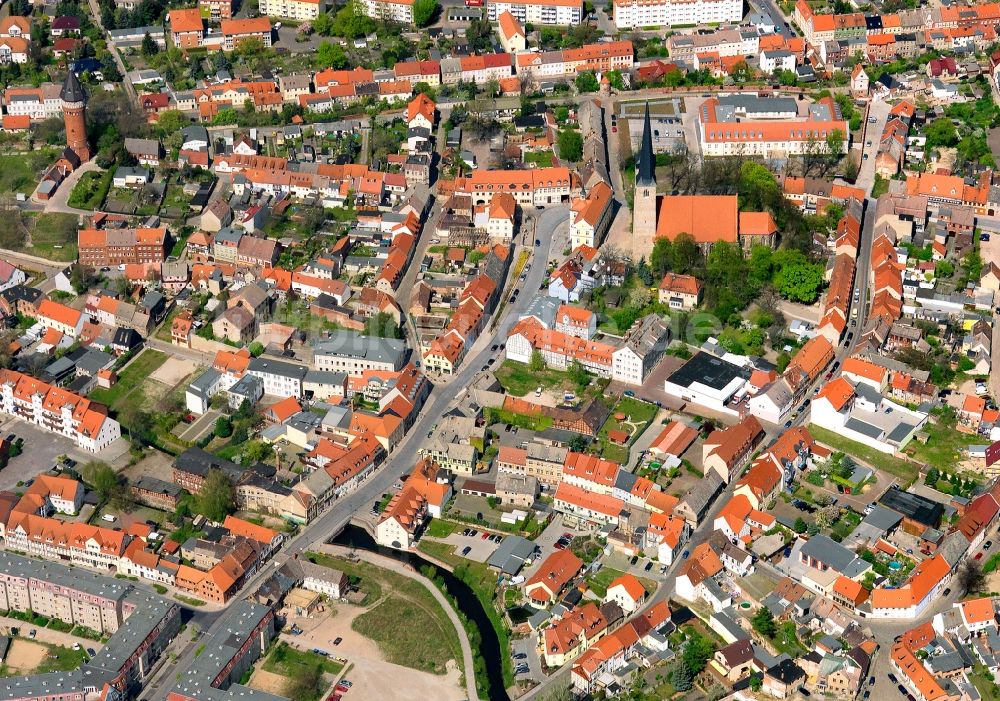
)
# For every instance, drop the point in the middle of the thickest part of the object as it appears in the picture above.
(633, 14)
(393, 10)
(564, 12)
(302, 10)
(10, 276)
(709, 382)
(590, 217)
(777, 61)
(56, 410)
(860, 413)
(280, 379)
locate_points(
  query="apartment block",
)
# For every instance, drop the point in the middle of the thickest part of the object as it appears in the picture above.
(111, 247)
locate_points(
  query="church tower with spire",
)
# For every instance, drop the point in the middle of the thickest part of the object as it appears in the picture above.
(74, 106)
(644, 202)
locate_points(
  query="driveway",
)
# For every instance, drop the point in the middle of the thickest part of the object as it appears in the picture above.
(59, 201)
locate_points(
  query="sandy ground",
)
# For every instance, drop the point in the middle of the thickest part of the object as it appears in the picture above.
(173, 371)
(270, 682)
(24, 655)
(373, 677)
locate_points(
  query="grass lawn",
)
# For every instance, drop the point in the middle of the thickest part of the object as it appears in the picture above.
(532, 423)
(91, 190)
(484, 583)
(600, 581)
(519, 379)
(131, 377)
(846, 524)
(638, 417)
(987, 688)
(785, 640)
(60, 659)
(53, 236)
(289, 661)
(404, 618)
(439, 528)
(943, 449)
(21, 172)
(905, 471)
(543, 159)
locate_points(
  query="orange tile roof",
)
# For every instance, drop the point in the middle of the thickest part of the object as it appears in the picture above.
(509, 26)
(187, 20)
(256, 25)
(633, 587)
(850, 590)
(814, 356)
(238, 526)
(554, 574)
(864, 368)
(591, 501)
(837, 392)
(674, 439)
(681, 284)
(58, 313)
(757, 224)
(706, 218)
(978, 610)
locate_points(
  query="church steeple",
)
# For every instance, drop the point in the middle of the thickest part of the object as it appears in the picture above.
(646, 165)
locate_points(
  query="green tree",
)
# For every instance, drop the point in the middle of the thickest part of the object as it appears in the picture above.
(587, 82)
(307, 683)
(102, 479)
(660, 257)
(617, 80)
(578, 375)
(537, 363)
(681, 678)
(697, 652)
(217, 498)
(800, 525)
(685, 255)
(425, 12)
(382, 325)
(799, 282)
(256, 349)
(756, 682)
(223, 427)
(763, 622)
(330, 55)
(941, 132)
(570, 145)
(149, 47)
(932, 477)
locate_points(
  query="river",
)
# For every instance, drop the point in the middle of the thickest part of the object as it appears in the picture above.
(468, 603)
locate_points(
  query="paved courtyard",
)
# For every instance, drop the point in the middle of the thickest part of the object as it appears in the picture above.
(41, 448)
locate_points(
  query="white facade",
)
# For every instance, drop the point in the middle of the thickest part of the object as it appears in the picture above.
(390, 533)
(326, 587)
(292, 9)
(393, 10)
(776, 61)
(626, 366)
(633, 14)
(17, 277)
(538, 11)
(619, 594)
(62, 421)
(706, 396)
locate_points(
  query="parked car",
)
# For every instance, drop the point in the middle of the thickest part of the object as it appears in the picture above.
(466, 550)
(338, 640)
(629, 393)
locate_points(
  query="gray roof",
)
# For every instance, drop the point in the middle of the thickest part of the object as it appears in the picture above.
(833, 554)
(72, 89)
(149, 612)
(509, 557)
(154, 484)
(201, 385)
(267, 366)
(55, 573)
(247, 386)
(882, 518)
(353, 345)
(218, 651)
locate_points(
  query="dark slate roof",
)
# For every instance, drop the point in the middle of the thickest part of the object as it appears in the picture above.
(72, 89)
(646, 174)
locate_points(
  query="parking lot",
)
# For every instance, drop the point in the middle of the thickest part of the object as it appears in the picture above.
(480, 548)
(41, 448)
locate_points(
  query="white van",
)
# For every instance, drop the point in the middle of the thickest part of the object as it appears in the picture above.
(110, 518)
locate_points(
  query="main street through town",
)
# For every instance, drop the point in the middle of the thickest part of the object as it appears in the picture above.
(399, 462)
